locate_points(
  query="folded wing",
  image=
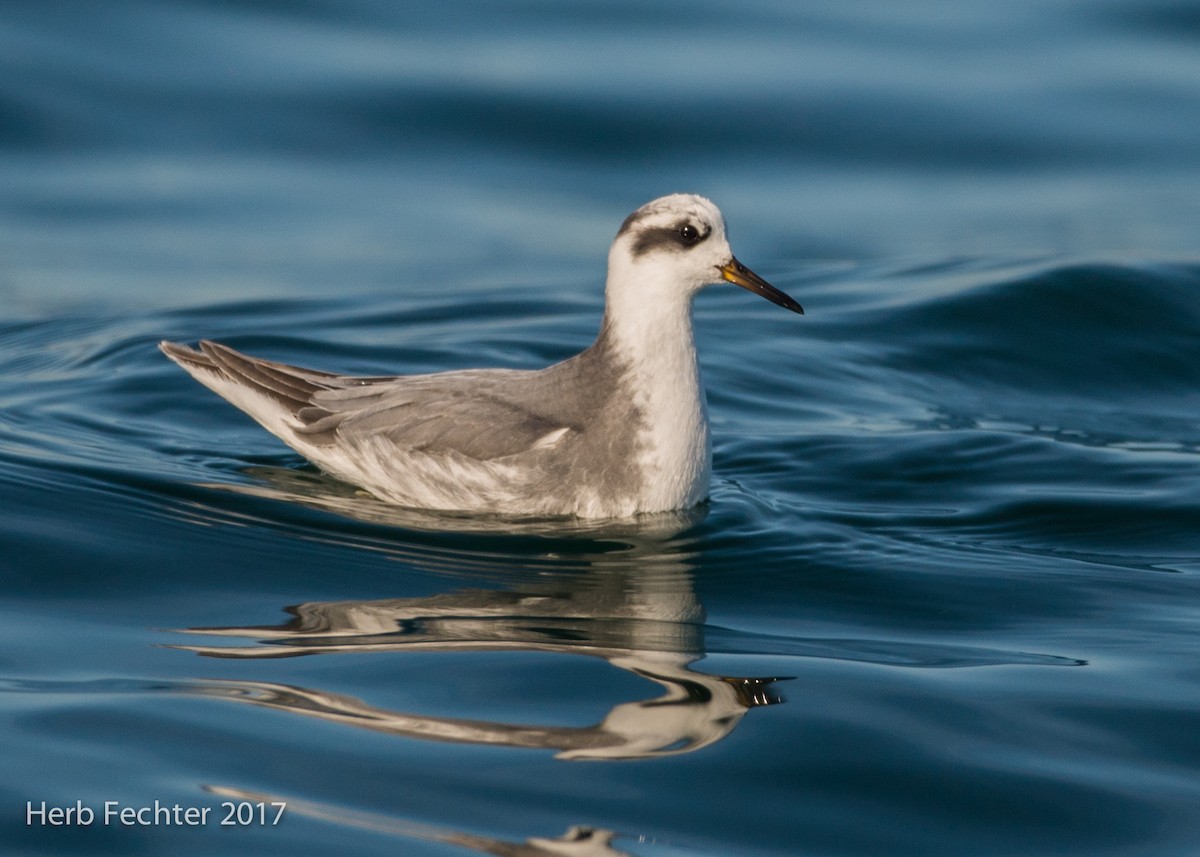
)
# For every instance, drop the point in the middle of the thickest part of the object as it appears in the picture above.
(480, 414)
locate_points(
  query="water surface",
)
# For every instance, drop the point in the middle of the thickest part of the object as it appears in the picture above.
(942, 599)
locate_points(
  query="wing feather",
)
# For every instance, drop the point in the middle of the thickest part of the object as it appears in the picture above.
(476, 414)
(439, 415)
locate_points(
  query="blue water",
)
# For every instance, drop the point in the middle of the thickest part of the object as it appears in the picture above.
(944, 598)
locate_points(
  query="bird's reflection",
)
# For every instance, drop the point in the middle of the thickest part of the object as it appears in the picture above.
(634, 608)
(650, 626)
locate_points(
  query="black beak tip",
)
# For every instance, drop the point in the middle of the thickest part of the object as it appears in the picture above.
(786, 301)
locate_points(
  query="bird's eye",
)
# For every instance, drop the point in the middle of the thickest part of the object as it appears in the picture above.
(690, 234)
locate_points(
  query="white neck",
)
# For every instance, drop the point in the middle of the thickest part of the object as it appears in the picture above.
(649, 325)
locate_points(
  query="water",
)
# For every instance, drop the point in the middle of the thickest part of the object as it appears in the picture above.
(943, 599)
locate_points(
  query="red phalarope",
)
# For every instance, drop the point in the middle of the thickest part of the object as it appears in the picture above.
(619, 429)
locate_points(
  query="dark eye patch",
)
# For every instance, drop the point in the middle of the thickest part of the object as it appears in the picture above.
(682, 236)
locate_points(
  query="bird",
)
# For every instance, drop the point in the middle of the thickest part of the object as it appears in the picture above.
(616, 431)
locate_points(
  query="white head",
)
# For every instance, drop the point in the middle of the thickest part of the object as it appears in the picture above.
(672, 247)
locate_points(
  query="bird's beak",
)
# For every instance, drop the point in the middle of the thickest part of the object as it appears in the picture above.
(738, 274)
